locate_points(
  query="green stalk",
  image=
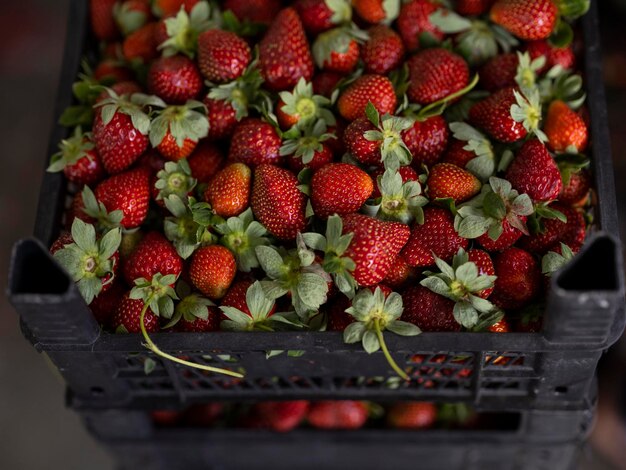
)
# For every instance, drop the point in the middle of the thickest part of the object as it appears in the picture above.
(444, 101)
(383, 346)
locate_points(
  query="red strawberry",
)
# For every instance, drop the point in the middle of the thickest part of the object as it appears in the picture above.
(374, 246)
(322, 155)
(277, 202)
(255, 11)
(372, 11)
(165, 8)
(128, 315)
(200, 325)
(222, 55)
(176, 130)
(229, 190)
(473, 7)
(120, 136)
(280, 416)
(236, 297)
(338, 318)
(493, 114)
(112, 69)
(364, 150)
(406, 172)
(527, 20)
(124, 89)
(102, 21)
(499, 72)
(575, 228)
(128, 192)
(427, 310)
(141, 45)
(205, 161)
(105, 304)
(154, 254)
(383, 52)
(339, 188)
(457, 154)
(316, 15)
(376, 89)
(166, 417)
(566, 130)
(78, 160)
(325, 82)
(414, 19)
(212, 270)
(337, 50)
(174, 79)
(484, 263)
(436, 235)
(435, 74)
(130, 15)
(519, 279)
(222, 118)
(576, 189)
(449, 181)
(204, 415)
(534, 172)
(284, 55)
(343, 414)
(398, 274)
(412, 415)
(255, 142)
(563, 56)
(427, 140)
(507, 238)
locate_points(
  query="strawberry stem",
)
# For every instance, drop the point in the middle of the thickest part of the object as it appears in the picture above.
(155, 349)
(383, 346)
(444, 101)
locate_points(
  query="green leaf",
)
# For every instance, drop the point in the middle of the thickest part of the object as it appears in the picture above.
(403, 328)
(271, 261)
(354, 332)
(148, 365)
(465, 314)
(370, 342)
(372, 115)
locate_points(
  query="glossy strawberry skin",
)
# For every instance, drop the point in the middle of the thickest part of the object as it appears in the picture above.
(427, 140)
(575, 229)
(484, 263)
(563, 56)
(87, 170)
(255, 142)
(171, 151)
(577, 189)
(315, 15)
(320, 158)
(255, 11)
(102, 21)
(527, 20)
(507, 238)
(398, 274)
(277, 202)
(449, 181)
(414, 19)
(518, 281)
(383, 52)
(199, 325)
(565, 128)
(118, 143)
(493, 114)
(456, 153)
(284, 54)
(128, 192)
(212, 270)
(174, 79)
(106, 302)
(436, 235)
(473, 7)
(325, 82)
(364, 150)
(128, 315)
(141, 45)
(434, 74)
(375, 88)
(337, 414)
(229, 191)
(343, 62)
(280, 416)
(222, 118)
(499, 72)
(371, 11)
(112, 69)
(534, 172)
(205, 161)
(126, 87)
(154, 254)
(374, 247)
(427, 310)
(412, 415)
(222, 55)
(339, 188)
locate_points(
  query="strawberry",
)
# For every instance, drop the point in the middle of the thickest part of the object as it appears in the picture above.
(398, 274)
(112, 69)
(484, 263)
(566, 130)
(435, 74)
(284, 54)
(575, 228)
(222, 55)
(376, 89)
(473, 7)
(499, 72)
(338, 319)
(527, 20)
(178, 34)
(412, 415)
(195, 314)
(120, 132)
(436, 235)
(102, 21)
(427, 310)
(131, 15)
(246, 308)
(255, 142)
(339, 188)
(383, 51)
(205, 415)
(105, 304)
(78, 160)
(534, 172)
(154, 254)
(563, 56)
(320, 15)
(254, 11)
(176, 130)
(457, 154)
(280, 416)
(426, 140)
(343, 414)
(236, 298)
(277, 202)
(414, 19)
(205, 161)
(308, 147)
(174, 79)
(325, 82)
(500, 327)
(519, 279)
(407, 174)
(141, 45)
(337, 50)
(374, 246)
(124, 89)
(302, 107)
(449, 181)
(222, 118)
(127, 317)
(577, 188)
(229, 190)
(212, 270)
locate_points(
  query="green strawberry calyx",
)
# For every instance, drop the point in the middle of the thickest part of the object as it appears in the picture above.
(97, 210)
(460, 283)
(527, 69)
(183, 30)
(337, 41)
(295, 272)
(306, 106)
(190, 307)
(242, 93)
(132, 106)
(399, 201)
(127, 18)
(72, 150)
(496, 204)
(175, 178)
(527, 111)
(553, 261)
(342, 11)
(242, 235)
(543, 211)
(483, 165)
(261, 317)
(184, 122)
(334, 245)
(374, 314)
(563, 85)
(394, 152)
(88, 260)
(303, 142)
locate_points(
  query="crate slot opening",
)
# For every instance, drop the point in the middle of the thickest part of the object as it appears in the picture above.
(593, 269)
(35, 272)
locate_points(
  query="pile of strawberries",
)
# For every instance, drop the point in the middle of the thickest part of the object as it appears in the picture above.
(361, 166)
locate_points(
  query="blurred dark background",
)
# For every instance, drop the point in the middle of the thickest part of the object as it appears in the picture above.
(36, 429)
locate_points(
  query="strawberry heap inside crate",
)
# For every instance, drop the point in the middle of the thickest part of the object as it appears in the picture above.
(361, 166)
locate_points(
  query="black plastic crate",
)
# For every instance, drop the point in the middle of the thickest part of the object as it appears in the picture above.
(551, 369)
(532, 440)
